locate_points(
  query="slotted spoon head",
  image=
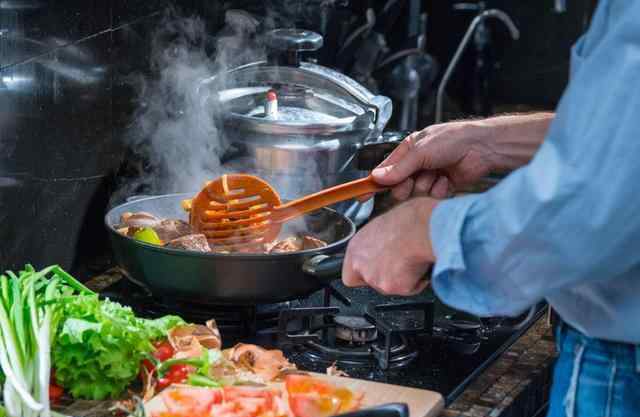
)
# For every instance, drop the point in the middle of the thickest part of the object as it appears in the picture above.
(234, 211)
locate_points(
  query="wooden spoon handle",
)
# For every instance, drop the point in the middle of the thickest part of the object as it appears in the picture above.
(327, 197)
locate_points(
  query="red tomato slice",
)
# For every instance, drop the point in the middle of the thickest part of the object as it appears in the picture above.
(313, 405)
(240, 393)
(251, 401)
(313, 397)
(190, 401)
(55, 392)
(164, 351)
(227, 410)
(304, 384)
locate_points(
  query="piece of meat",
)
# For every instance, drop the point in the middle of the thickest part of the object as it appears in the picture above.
(310, 242)
(290, 244)
(189, 340)
(196, 243)
(268, 364)
(171, 229)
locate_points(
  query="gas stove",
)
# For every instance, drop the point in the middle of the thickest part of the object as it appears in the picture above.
(413, 341)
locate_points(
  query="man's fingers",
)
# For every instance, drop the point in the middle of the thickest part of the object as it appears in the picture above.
(422, 284)
(440, 188)
(424, 182)
(399, 152)
(404, 190)
(351, 277)
(387, 172)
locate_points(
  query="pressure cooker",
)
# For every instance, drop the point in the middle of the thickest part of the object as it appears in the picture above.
(296, 124)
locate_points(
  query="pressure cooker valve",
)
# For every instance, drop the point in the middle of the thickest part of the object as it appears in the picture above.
(285, 45)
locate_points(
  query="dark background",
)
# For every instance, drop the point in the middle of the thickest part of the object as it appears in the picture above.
(64, 102)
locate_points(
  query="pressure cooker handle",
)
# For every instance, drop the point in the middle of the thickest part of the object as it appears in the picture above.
(285, 45)
(371, 154)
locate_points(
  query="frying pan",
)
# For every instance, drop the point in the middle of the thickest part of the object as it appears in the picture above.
(235, 278)
(238, 278)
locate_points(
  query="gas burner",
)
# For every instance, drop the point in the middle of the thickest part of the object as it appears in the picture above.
(463, 336)
(355, 329)
(382, 337)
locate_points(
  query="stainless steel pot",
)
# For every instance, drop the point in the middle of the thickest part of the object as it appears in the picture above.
(323, 118)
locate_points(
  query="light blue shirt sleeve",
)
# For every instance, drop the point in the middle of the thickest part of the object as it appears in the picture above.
(566, 227)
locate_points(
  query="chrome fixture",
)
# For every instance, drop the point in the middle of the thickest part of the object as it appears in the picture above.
(479, 19)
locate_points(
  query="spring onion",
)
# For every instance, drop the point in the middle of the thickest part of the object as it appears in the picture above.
(29, 316)
(202, 381)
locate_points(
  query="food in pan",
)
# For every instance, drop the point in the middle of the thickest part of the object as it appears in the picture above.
(178, 234)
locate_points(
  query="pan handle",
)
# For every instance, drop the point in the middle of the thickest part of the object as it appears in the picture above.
(385, 410)
(325, 268)
(371, 154)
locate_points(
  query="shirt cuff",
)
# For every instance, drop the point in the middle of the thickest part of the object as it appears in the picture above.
(450, 279)
(446, 225)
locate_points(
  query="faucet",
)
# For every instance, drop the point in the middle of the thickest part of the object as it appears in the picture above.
(560, 6)
(480, 18)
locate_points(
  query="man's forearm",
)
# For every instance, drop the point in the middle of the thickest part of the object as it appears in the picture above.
(514, 139)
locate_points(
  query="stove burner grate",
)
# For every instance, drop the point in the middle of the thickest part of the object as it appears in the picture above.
(382, 337)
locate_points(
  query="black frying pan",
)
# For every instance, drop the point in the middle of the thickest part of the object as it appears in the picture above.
(209, 278)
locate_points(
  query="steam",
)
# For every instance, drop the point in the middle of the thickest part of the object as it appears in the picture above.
(172, 129)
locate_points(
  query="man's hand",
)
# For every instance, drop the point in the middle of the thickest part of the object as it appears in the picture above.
(392, 253)
(442, 158)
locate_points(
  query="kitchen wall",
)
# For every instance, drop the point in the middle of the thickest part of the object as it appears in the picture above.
(62, 104)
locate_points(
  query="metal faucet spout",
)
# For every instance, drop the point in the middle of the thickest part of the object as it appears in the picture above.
(491, 13)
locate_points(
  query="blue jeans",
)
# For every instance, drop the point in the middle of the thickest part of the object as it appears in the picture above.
(594, 378)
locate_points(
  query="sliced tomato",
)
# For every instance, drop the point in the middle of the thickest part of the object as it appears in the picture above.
(163, 351)
(305, 384)
(163, 383)
(238, 391)
(312, 397)
(252, 401)
(313, 405)
(55, 392)
(227, 410)
(178, 373)
(190, 401)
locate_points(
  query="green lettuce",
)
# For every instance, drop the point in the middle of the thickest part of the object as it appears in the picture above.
(100, 345)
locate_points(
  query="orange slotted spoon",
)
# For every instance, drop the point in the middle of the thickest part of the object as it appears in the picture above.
(237, 210)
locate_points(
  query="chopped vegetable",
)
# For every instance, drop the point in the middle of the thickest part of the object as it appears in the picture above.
(55, 392)
(100, 346)
(202, 381)
(147, 235)
(227, 402)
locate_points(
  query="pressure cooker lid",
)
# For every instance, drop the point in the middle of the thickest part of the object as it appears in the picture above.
(283, 95)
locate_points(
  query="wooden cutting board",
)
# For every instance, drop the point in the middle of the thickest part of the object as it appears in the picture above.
(422, 403)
